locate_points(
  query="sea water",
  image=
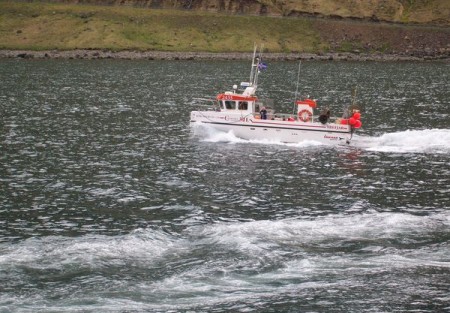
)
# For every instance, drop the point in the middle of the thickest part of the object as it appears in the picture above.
(110, 202)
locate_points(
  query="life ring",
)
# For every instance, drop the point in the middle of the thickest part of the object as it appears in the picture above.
(305, 115)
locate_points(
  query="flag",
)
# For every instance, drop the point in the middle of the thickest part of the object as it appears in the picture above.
(262, 66)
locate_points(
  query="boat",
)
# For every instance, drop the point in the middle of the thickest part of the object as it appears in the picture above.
(241, 112)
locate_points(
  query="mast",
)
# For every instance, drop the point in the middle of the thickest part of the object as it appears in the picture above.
(252, 84)
(296, 90)
(252, 71)
(255, 68)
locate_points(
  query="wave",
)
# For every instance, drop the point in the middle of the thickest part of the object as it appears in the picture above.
(147, 245)
(410, 141)
(222, 263)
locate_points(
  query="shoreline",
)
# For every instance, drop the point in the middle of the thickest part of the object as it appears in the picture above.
(168, 55)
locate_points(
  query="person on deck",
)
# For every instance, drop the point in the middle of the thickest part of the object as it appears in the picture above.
(263, 113)
(324, 116)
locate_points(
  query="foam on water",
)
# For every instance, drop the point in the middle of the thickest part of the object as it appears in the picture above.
(91, 251)
(410, 141)
(224, 262)
(254, 239)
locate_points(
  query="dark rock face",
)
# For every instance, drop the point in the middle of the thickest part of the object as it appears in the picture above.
(385, 38)
(435, 12)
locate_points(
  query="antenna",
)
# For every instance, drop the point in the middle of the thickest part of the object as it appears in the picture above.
(354, 95)
(352, 104)
(298, 79)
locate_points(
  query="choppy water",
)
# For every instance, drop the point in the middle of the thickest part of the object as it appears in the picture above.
(109, 202)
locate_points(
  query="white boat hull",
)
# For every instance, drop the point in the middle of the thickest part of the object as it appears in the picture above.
(251, 128)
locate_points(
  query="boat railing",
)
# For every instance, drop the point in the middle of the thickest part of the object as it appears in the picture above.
(294, 118)
(334, 119)
(284, 117)
(279, 116)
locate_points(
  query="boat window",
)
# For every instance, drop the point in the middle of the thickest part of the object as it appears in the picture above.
(229, 105)
(243, 105)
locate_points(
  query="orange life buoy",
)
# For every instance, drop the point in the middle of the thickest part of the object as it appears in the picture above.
(304, 115)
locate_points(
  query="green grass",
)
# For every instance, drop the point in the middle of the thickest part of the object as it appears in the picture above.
(48, 26)
(42, 26)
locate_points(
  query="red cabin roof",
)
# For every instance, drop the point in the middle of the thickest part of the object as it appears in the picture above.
(310, 102)
(235, 97)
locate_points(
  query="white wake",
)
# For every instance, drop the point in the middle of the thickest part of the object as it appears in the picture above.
(410, 141)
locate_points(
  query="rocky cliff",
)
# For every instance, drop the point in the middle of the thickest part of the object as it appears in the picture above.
(436, 12)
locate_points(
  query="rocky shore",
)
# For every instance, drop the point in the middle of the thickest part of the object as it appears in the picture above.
(160, 55)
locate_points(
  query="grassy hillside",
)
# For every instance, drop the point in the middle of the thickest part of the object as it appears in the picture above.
(39, 26)
(48, 26)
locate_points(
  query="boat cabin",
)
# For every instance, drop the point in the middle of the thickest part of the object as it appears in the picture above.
(230, 101)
